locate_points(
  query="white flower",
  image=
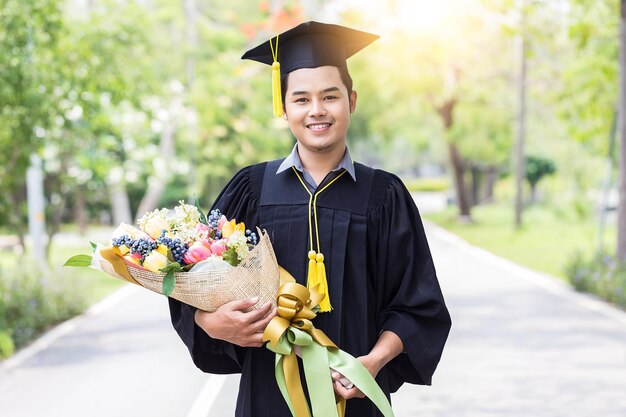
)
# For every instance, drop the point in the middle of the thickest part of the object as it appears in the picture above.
(154, 222)
(186, 214)
(127, 229)
(239, 243)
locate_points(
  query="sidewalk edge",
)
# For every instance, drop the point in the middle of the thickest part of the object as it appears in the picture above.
(546, 281)
(65, 327)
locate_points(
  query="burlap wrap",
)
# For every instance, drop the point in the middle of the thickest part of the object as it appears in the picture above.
(256, 275)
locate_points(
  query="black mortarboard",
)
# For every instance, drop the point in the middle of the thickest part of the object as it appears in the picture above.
(308, 45)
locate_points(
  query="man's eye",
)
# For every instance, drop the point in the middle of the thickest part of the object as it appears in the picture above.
(301, 100)
(330, 97)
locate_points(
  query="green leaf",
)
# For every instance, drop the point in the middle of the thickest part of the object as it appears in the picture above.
(168, 283)
(78, 260)
(94, 245)
(170, 280)
(174, 267)
(203, 218)
(230, 256)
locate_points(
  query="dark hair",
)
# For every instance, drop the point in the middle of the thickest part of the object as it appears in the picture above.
(343, 74)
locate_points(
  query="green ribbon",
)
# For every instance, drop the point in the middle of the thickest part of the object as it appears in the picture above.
(292, 327)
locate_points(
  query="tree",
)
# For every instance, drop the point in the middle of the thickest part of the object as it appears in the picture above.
(30, 31)
(446, 89)
(537, 167)
(621, 210)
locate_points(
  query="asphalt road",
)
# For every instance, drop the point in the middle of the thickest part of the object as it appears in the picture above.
(522, 344)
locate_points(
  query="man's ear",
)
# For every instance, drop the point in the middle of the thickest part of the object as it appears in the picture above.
(353, 97)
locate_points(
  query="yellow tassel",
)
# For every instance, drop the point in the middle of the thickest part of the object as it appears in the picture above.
(325, 306)
(276, 93)
(277, 97)
(312, 279)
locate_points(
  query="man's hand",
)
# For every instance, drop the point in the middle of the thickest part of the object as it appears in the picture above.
(231, 324)
(387, 347)
(354, 392)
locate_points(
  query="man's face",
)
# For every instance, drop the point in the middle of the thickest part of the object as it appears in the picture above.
(318, 107)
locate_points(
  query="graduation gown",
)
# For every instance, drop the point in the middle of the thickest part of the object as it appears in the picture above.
(380, 277)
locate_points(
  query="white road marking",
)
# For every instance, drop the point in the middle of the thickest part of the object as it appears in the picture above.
(66, 327)
(208, 394)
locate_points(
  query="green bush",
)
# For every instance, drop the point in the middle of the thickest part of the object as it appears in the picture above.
(600, 274)
(31, 303)
(426, 184)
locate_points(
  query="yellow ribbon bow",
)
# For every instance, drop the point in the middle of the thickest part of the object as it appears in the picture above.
(295, 309)
(292, 329)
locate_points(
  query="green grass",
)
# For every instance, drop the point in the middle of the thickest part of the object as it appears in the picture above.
(95, 285)
(426, 184)
(547, 240)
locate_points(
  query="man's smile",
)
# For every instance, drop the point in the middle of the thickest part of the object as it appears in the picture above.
(318, 127)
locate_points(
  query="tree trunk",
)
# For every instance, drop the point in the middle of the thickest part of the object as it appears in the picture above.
(490, 183)
(520, 163)
(56, 216)
(120, 205)
(458, 169)
(533, 193)
(158, 180)
(80, 209)
(476, 183)
(621, 210)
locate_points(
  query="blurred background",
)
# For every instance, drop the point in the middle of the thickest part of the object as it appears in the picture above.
(499, 115)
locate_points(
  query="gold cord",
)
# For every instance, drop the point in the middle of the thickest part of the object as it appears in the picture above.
(313, 200)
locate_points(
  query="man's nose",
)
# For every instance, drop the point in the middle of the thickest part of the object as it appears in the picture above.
(317, 108)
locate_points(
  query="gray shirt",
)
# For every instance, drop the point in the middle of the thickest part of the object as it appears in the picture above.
(293, 160)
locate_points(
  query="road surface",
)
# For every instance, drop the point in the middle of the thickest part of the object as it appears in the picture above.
(522, 344)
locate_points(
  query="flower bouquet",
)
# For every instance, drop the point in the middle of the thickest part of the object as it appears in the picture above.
(180, 253)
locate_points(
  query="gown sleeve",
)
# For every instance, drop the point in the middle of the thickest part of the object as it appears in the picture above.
(408, 297)
(238, 200)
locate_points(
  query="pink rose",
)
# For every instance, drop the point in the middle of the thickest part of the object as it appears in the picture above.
(221, 222)
(218, 247)
(202, 227)
(197, 252)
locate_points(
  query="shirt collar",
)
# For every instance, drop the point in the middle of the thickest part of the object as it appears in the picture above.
(293, 160)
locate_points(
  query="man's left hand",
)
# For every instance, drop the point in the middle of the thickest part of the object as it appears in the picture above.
(354, 392)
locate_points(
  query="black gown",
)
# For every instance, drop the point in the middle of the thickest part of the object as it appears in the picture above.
(380, 276)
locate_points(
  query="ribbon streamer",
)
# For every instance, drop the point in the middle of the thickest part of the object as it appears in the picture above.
(292, 326)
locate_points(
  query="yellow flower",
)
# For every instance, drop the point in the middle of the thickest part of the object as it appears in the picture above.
(228, 228)
(132, 259)
(155, 261)
(241, 227)
(123, 249)
(155, 226)
(162, 249)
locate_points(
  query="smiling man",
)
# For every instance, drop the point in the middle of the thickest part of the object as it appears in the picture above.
(324, 212)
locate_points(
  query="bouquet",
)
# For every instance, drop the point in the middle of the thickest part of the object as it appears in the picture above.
(180, 253)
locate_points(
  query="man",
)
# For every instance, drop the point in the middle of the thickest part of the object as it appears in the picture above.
(383, 301)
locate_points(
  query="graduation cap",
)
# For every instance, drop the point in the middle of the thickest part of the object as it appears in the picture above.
(308, 45)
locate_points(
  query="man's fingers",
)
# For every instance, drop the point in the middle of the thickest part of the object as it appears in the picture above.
(341, 390)
(260, 325)
(347, 393)
(241, 304)
(258, 314)
(255, 340)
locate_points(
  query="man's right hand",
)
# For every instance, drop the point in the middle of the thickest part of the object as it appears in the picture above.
(231, 324)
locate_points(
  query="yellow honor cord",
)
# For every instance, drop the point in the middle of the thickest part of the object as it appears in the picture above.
(317, 271)
(277, 98)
